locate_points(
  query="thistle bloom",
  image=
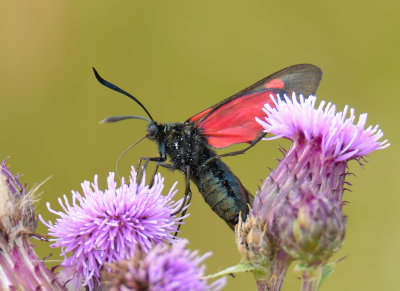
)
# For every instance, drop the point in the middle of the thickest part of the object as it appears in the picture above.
(301, 200)
(323, 142)
(20, 267)
(164, 268)
(335, 134)
(106, 226)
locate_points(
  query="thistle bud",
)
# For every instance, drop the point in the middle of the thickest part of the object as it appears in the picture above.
(312, 229)
(253, 242)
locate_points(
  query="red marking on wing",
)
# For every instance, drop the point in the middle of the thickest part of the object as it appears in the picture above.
(200, 115)
(275, 83)
(234, 122)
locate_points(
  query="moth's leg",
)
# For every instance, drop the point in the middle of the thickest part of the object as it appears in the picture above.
(187, 198)
(158, 160)
(154, 174)
(159, 164)
(239, 152)
(188, 192)
(147, 160)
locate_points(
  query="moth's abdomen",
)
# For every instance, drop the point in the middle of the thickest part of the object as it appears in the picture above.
(222, 190)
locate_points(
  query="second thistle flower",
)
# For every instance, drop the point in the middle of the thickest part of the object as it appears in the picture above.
(105, 226)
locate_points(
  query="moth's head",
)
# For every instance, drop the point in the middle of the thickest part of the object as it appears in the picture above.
(152, 130)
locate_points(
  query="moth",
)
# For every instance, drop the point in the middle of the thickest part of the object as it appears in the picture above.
(189, 146)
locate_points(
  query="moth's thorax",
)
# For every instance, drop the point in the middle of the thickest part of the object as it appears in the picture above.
(183, 143)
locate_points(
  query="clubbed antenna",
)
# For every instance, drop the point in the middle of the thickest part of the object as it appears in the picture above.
(116, 88)
(123, 117)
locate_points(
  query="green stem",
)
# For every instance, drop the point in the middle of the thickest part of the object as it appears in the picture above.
(279, 266)
(311, 279)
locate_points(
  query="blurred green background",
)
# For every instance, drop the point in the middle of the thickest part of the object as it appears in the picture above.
(179, 57)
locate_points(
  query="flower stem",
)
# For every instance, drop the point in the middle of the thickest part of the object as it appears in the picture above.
(279, 266)
(311, 279)
(261, 285)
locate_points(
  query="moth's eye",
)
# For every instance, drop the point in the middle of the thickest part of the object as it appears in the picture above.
(152, 130)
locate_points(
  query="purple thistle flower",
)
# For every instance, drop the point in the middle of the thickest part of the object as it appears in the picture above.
(164, 268)
(107, 226)
(315, 166)
(338, 137)
(323, 143)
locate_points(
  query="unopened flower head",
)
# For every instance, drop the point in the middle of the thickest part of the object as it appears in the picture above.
(312, 229)
(166, 268)
(106, 226)
(253, 242)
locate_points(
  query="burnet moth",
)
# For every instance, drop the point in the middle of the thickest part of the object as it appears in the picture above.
(190, 145)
